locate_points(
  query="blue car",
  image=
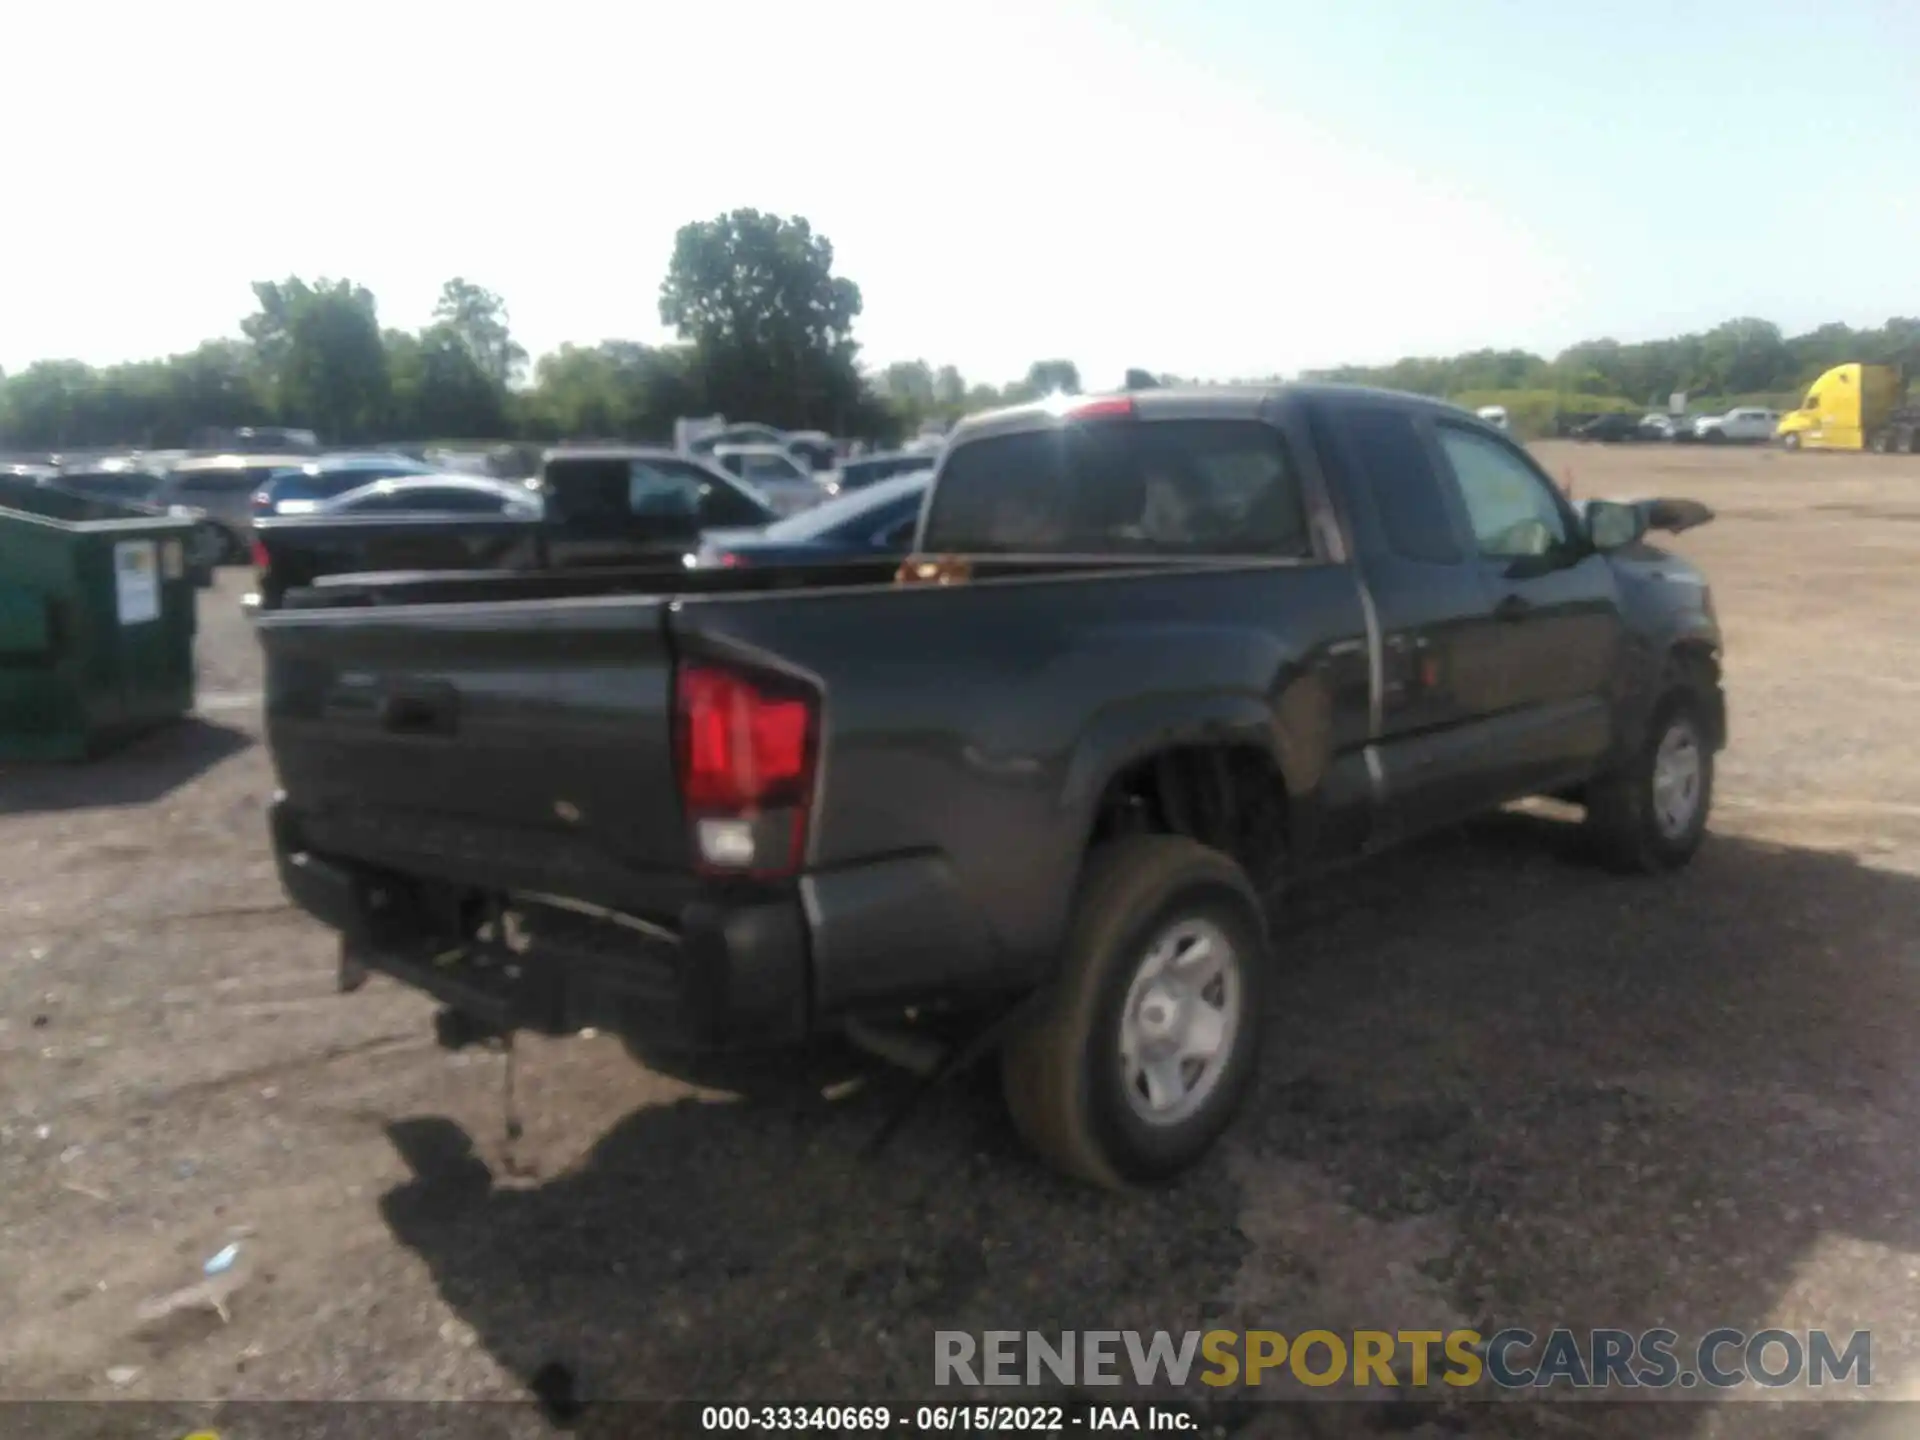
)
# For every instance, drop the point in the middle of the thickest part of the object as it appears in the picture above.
(300, 488)
(878, 520)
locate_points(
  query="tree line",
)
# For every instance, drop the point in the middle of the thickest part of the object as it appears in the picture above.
(764, 331)
(1739, 359)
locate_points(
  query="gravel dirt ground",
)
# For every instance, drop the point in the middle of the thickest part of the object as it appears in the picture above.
(1501, 1087)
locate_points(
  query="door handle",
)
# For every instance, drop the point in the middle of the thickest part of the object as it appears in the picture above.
(1511, 608)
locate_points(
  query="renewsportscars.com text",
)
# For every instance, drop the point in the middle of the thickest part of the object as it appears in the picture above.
(1511, 1359)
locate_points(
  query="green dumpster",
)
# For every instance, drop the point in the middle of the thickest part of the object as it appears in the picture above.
(96, 623)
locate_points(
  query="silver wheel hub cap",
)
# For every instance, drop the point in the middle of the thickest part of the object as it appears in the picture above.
(1180, 1022)
(1677, 770)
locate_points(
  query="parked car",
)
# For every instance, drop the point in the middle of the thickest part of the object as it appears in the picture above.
(1183, 651)
(1744, 425)
(1611, 428)
(1494, 415)
(432, 494)
(788, 485)
(597, 506)
(876, 520)
(302, 488)
(259, 440)
(147, 490)
(466, 462)
(1657, 425)
(223, 486)
(814, 448)
(871, 469)
(746, 432)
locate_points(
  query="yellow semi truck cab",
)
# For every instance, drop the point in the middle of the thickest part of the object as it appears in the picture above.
(1844, 409)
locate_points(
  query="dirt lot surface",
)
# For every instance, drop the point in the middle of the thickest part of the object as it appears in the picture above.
(1501, 1088)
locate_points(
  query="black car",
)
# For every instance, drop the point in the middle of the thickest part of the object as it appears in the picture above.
(878, 520)
(1613, 429)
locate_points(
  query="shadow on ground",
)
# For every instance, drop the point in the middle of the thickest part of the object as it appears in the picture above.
(139, 773)
(1624, 1102)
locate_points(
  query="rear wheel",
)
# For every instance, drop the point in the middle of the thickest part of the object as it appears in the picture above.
(1652, 814)
(210, 544)
(1881, 442)
(1142, 1048)
(1790, 442)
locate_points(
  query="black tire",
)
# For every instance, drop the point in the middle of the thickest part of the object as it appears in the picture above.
(1062, 1070)
(209, 545)
(1790, 441)
(1881, 443)
(1623, 820)
(1913, 441)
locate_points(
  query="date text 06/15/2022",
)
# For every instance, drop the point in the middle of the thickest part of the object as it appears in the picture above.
(946, 1419)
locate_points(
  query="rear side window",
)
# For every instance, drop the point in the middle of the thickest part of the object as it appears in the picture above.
(1175, 487)
(770, 467)
(1406, 492)
(614, 489)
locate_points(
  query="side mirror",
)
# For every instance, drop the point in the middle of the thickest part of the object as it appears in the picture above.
(1611, 525)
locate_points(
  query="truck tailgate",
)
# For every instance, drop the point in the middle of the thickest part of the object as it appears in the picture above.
(517, 745)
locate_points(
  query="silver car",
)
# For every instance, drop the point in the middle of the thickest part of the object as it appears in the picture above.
(222, 486)
(786, 484)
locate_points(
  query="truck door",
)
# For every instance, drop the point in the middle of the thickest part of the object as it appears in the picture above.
(1441, 679)
(1556, 612)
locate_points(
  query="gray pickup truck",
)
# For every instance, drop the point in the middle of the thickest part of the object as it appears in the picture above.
(1155, 660)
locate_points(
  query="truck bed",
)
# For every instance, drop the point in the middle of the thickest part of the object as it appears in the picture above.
(488, 732)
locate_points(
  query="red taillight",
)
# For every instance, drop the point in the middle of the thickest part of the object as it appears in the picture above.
(261, 561)
(745, 761)
(1110, 407)
(727, 560)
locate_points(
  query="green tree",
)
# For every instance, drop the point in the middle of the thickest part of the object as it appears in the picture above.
(1051, 377)
(770, 324)
(46, 404)
(439, 389)
(321, 346)
(949, 390)
(219, 383)
(909, 385)
(614, 390)
(477, 318)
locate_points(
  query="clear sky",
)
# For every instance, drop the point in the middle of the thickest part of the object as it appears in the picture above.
(1213, 187)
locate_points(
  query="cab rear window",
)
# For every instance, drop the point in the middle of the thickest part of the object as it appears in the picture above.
(1176, 487)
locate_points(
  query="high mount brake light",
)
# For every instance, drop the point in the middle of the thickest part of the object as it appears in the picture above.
(745, 747)
(1110, 407)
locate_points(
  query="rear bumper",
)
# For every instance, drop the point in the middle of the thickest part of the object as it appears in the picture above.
(724, 976)
(728, 972)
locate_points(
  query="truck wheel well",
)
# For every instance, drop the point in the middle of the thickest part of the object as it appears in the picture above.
(1699, 668)
(1229, 798)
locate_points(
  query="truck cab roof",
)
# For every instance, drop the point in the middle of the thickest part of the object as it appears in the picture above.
(1190, 402)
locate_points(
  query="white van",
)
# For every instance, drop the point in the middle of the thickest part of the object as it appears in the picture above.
(1494, 415)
